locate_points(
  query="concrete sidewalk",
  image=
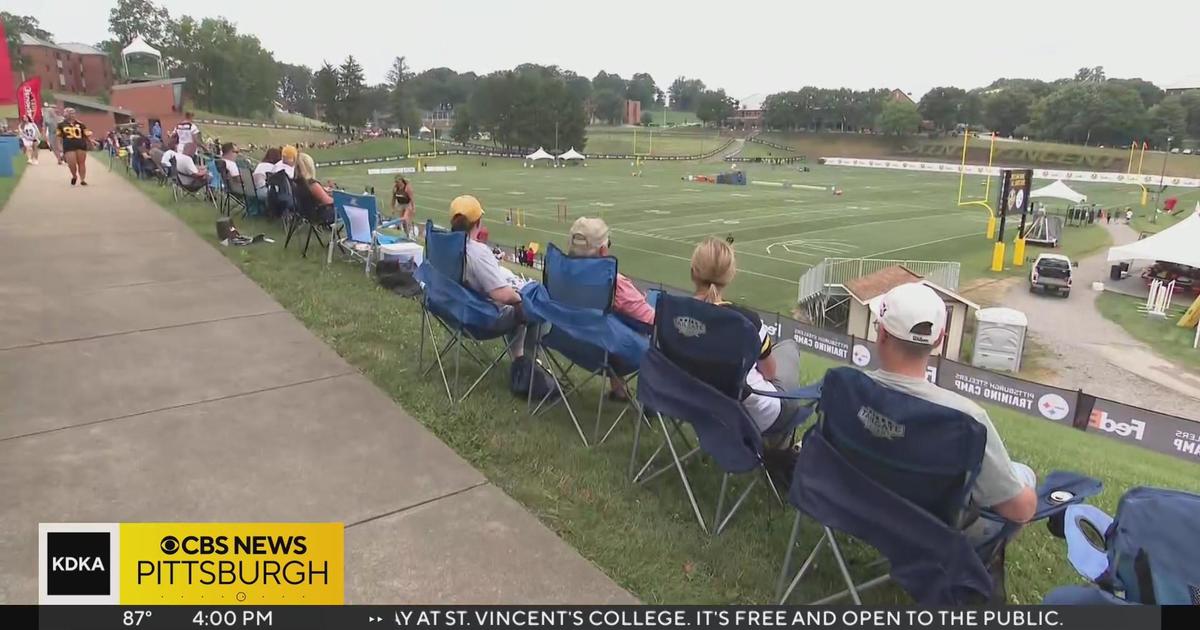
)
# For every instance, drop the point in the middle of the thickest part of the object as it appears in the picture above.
(144, 378)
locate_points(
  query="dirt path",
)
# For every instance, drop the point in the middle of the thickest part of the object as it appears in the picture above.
(1097, 355)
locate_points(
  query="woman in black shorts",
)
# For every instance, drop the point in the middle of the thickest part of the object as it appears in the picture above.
(76, 139)
(402, 198)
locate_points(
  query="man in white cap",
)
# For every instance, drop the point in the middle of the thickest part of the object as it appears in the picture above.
(911, 324)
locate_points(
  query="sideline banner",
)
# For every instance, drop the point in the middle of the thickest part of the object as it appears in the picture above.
(1099, 177)
(1147, 429)
(1027, 397)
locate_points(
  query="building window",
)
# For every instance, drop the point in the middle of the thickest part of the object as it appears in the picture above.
(60, 64)
(62, 81)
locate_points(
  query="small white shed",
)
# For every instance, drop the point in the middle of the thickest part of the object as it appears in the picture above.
(869, 289)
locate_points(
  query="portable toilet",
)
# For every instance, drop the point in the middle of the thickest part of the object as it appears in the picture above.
(999, 338)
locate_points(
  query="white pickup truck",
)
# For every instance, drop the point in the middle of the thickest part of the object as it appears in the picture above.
(1051, 272)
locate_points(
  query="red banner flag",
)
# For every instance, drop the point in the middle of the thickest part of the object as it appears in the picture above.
(29, 100)
(7, 97)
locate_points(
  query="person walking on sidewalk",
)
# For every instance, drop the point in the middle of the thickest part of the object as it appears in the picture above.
(76, 140)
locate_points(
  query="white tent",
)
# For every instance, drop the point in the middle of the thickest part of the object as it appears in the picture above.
(139, 47)
(1176, 244)
(1058, 190)
(540, 154)
(572, 154)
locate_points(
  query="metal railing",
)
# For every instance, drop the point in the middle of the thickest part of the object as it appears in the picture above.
(833, 273)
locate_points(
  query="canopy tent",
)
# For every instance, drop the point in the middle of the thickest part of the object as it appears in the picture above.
(1176, 244)
(1058, 190)
(139, 46)
(540, 154)
(572, 154)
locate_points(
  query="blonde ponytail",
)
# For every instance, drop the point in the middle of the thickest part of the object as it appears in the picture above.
(713, 268)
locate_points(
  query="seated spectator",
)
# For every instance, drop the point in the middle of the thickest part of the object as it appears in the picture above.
(229, 153)
(149, 166)
(589, 239)
(167, 156)
(156, 156)
(306, 176)
(190, 174)
(484, 274)
(778, 366)
(911, 324)
(262, 170)
(287, 161)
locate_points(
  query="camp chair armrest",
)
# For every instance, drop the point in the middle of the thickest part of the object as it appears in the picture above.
(389, 224)
(808, 392)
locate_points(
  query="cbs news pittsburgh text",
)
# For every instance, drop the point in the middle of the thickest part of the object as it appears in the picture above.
(99, 576)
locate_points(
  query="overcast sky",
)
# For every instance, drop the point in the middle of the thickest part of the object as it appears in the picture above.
(745, 47)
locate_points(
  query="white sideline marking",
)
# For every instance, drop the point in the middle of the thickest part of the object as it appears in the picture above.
(556, 198)
(740, 195)
(603, 205)
(940, 240)
(649, 185)
(515, 192)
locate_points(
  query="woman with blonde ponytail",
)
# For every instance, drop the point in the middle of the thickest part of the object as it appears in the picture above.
(778, 368)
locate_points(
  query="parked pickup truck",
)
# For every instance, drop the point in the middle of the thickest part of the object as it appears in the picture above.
(1051, 273)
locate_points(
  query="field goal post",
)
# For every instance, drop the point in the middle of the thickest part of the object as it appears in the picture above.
(987, 190)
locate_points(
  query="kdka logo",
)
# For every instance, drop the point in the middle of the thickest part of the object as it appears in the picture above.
(78, 563)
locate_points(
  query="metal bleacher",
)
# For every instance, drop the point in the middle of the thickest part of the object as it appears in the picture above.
(822, 292)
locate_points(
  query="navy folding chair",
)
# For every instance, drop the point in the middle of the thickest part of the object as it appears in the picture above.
(574, 304)
(466, 316)
(357, 231)
(724, 346)
(896, 472)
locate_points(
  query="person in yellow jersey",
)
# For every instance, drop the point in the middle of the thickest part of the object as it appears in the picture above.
(76, 139)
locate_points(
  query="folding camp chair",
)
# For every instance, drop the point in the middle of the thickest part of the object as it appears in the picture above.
(310, 216)
(231, 189)
(281, 198)
(356, 232)
(253, 201)
(575, 299)
(896, 472)
(464, 314)
(216, 185)
(688, 332)
(184, 190)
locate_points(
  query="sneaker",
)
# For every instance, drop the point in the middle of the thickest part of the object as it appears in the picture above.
(83, 183)
(73, 180)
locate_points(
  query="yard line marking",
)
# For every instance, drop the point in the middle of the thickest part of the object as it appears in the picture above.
(602, 204)
(515, 192)
(556, 198)
(740, 195)
(940, 240)
(649, 185)
(482, 188)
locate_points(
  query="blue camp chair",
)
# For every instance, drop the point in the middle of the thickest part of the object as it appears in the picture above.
(356, 231)
(464, 314)
(1146, 554)
(252, 203)
(574, 304)
(896, 472)
(690, 332)
(216, 185)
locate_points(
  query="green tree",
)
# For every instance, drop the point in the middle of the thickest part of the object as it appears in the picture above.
(131, 18)
(684, 93)
(608, 106)
(296, 88)
(1007, 109)
(14, 26)
(1093, 74)
(1191, 104)
(1168, 118)
(579, 87)
(527, 108)
(441, 87)
(647, 119)
(714, 107)
(463, 129)
(401, 102)
(226, 71)
(943, 106)
(351, 86)
(1090, 112)
(325, 91)
(899, 117)
(1151, 94)
(642, 88)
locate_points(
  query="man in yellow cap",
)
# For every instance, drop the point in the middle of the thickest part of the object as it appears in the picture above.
(484, 274)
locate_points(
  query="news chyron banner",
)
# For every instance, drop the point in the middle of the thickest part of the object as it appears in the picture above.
(212, 564)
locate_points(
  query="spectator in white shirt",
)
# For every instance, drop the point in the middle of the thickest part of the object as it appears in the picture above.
(263, 169)
(186, 132)
(229, 154)
(287, 161)
(190, 175)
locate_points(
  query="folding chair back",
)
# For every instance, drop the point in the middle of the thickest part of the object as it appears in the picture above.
(581, 282)
(925, 453)
(717, 343)
(446, 251)
(216, 183)
(281, 198)
(358, 215)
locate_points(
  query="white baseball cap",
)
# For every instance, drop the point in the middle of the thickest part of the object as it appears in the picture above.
(908, 306)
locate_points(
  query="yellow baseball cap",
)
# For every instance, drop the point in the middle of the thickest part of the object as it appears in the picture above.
(468, 206)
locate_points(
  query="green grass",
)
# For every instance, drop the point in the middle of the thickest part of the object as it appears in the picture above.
(779, 233)
(1167, 339)
(7, 184)
(644, 538)
(264, 137)
(1146, 220)
(379, 147)
(644, 141)
(282, 118)
(670, 118)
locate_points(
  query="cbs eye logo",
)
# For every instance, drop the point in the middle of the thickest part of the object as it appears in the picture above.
(169, 545)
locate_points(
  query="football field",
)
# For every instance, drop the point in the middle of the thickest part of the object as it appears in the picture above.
(656, 217)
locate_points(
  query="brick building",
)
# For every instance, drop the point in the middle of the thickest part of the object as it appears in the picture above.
(147, 101)
(66, 68)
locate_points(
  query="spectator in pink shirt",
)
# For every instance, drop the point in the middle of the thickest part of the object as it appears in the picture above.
(589, 238)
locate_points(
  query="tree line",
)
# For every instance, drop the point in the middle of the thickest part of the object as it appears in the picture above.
(1088, 107)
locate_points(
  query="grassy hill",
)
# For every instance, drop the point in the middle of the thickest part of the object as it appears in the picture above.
(1013, 153)
(265, 136)
(650, 141)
